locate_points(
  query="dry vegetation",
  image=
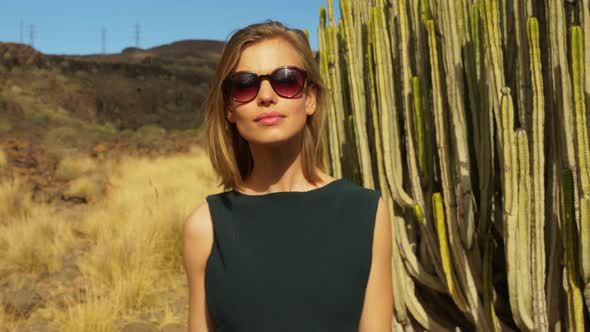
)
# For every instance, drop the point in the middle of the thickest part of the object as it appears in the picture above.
(2, 159)
(101, 265)
(96, 179)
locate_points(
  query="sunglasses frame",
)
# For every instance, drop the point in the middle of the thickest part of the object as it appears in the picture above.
(227, 82)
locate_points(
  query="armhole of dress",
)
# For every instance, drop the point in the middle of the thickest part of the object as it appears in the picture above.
(374, 207)
(210, 204)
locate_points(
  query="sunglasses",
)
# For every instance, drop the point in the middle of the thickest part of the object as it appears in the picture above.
(286, 81)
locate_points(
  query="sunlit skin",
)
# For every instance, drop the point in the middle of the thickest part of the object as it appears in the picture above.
(276, 149)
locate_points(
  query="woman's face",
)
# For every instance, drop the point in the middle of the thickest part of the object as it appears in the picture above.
(262, 58)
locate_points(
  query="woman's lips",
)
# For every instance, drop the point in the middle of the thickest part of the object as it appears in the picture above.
(270, 120)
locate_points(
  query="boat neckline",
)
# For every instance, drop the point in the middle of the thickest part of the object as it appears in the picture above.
(319, 189)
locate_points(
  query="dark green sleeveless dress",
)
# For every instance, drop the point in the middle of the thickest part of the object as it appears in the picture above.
(290, 261)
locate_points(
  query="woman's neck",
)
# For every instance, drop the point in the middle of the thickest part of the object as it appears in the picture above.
(277, 168)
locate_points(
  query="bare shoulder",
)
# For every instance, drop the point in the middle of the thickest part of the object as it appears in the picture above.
(198, 225)
(197, 243)
(198, 239)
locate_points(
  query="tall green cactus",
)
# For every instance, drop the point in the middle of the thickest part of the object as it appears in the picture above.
(538, 176)
(452, 284)
(418, 128)
(582, 149)
(351, 25)
(522, 234)
(575, 313)
(437, 80)
(332, 148)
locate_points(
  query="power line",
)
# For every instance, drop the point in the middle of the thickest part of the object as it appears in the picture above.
(21, 31)
(137, 34)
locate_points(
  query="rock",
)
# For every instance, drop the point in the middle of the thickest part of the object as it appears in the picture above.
(21, 302)
(140, 327)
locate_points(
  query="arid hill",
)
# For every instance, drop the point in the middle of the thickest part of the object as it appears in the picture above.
(144, 101)
(164, 85)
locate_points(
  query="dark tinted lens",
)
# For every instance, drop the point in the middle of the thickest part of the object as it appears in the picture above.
(244, 86)
(288, 82)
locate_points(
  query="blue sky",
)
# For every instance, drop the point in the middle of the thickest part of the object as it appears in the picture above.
(74, 27)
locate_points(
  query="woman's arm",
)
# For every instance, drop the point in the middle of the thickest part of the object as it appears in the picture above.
(377, 313)
(198, 240)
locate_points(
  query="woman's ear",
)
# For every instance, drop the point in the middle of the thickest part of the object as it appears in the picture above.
(310, 99)
(229, 114)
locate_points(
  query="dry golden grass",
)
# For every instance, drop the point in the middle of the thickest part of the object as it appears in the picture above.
(73, 133)
(36, 243)
(88, 187)
(136, 232)
(91, 314)
(15, 201)
(7, 324)
(33, 237)
(3, 161)
(5, 125)
(72, 167)
(135, 236)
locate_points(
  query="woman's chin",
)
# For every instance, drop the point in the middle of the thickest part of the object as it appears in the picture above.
(273, 140)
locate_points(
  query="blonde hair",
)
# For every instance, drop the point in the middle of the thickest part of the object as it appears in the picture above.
(228, 151)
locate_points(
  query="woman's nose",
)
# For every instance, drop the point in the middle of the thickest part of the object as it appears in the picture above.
(266, 94)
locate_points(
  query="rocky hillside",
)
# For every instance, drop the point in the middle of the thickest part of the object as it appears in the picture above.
(145, 101)
(164, 85)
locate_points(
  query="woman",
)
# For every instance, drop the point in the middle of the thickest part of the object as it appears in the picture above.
(287, 247)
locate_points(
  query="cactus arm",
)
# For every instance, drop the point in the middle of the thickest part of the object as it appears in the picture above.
(419, 312)
(354, 50)
(488, 282)
(509, 191)
(582, 147)
(458, 137)
(451, 282)
(391, 152)
(414, 177)
(398, 277)
(522, 234)
(418, 124)
(538, 167)
(575, 307)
